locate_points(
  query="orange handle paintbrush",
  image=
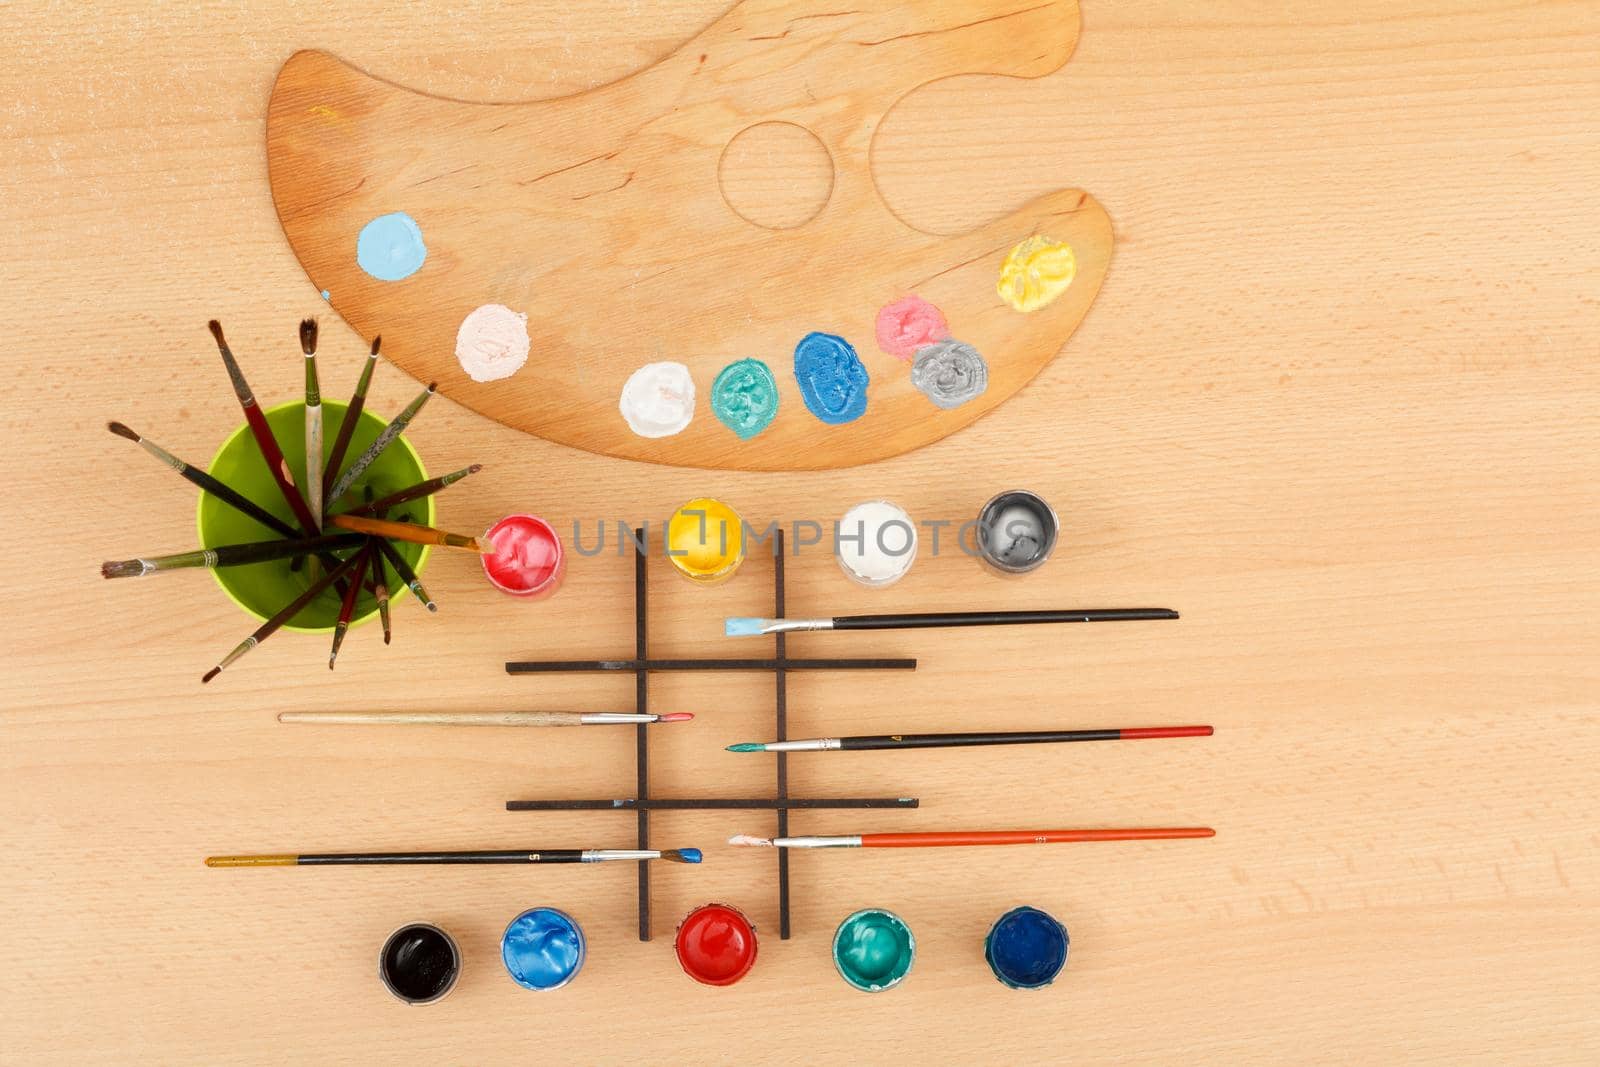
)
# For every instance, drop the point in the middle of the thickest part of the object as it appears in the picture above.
(937, 839)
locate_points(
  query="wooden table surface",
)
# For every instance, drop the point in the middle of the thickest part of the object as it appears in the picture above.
(1337, 402)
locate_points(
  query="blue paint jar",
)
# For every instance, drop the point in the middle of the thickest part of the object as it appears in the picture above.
(1026, 948)
(543, 948)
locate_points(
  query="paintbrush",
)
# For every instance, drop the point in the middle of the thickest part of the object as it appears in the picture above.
(975, 837)
(750, 627)
(347, 425)
(228, 555)
(383, 441)
(289, 611)
(414, 492)
(554, 855)
(379, 582)
(407, 575)
(347, 606)
(270, 452)
(1027, 737)
(407, 531)
(238, 502)
(480, 718)
(308, 345)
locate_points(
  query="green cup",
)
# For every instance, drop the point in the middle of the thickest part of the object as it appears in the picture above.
(262, 589)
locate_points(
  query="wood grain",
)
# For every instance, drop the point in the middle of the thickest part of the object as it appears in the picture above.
(601, 216)
(1336, 402)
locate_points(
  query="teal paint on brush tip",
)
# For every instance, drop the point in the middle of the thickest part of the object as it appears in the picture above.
(543, 948)
(748, 746)
(744, 397)
(873, 950)
(1026, 948)
(742, 627)
(390, 247)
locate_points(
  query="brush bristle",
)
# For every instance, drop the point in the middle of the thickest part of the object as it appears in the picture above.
(433, 387)
(216, 331)
(748, 746)
(376, 341)
(742, 627)
(747, 839)
(308, 336)
(676, 716)
(122, 431)
(212, 673)
(681, 855)
(122, 568)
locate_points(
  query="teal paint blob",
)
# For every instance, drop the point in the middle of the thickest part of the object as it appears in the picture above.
(744, 398)
(833, 382)
(1026, 948)
(543, 948)
(873, 950)
(390, 247)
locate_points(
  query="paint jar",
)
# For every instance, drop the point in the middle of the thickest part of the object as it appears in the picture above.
(705, 541)
(1016, 532)
(528, 560)
(1026, 948)
(873, 950)
(716, 944)
(875, 543)
(419, 963)
(543, 948)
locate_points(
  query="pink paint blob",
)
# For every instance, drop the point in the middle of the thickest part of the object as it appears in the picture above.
(909, 323)
(528, 559)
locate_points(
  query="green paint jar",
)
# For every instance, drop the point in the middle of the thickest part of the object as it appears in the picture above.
(873, 950)
(262, 589)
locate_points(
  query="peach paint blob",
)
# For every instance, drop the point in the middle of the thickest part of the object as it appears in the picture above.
(907, 324)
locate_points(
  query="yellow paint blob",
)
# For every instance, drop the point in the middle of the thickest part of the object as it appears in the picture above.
(1036, 272)
(705, 541)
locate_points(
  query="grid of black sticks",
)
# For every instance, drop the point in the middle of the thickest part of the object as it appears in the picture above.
(642, 802)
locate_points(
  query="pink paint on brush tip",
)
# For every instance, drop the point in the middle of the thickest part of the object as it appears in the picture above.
(677, 716)
(527, 560)
(907, 324)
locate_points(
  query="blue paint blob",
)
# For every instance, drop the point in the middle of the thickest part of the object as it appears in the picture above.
(1026, 948)
(543, 948)
(326, 295)
(744, 398)
(833, 383)
(390, 247)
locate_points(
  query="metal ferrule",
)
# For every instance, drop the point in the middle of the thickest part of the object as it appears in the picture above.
(818, 842)
(813, 744)
(784, 626)
(601, 855)
(614, 718)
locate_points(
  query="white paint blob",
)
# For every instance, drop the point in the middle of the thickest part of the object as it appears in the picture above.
(492, 343)
(876, 543)
(658, 399)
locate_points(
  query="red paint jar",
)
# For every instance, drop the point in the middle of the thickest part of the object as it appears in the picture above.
(528, 559)
(716, 944)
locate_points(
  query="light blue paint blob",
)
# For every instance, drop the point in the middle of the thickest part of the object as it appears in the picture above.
(833, 383)
(1026, 948)
(326, 295)
(390, 247)
(744, 398)
(543, 948)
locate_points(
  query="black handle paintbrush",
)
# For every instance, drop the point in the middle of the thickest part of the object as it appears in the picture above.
(750, 627)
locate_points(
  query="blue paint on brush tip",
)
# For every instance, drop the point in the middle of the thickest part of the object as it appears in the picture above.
(742, 627)
(690, 855)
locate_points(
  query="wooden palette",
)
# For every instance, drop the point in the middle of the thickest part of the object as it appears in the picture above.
(601, 217)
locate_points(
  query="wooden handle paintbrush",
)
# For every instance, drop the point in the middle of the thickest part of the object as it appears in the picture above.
(308, 345)
(406, 531)
(385, 438)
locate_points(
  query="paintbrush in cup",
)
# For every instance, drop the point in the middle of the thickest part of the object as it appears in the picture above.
(228, 555)
(289, 611)
(750, 627)
(277, 466)
(235, 500)
(347, 426)
(384, 440)
(407, 531)
(347, 606)
(308, 345)
(407, 575)
(376, 508)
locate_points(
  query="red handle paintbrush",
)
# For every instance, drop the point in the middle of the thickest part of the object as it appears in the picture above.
(935, 839)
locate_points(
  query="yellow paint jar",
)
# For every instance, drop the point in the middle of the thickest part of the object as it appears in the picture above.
(705, 541)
